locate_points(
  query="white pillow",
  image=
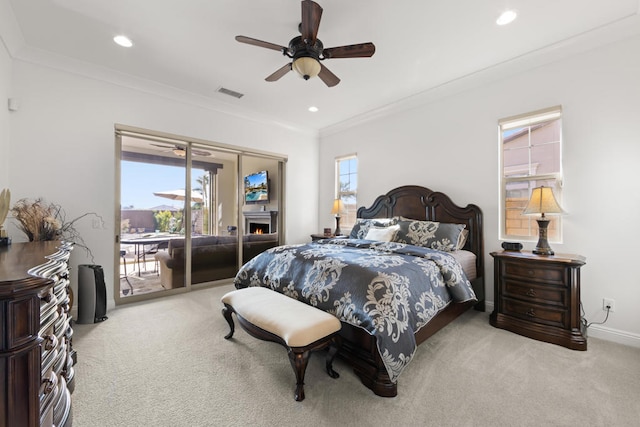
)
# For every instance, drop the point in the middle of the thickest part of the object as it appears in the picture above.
(385, 234)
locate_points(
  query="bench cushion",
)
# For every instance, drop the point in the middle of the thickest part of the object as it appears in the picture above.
(297, 323)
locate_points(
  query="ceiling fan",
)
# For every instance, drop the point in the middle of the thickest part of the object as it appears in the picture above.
(307, 50)
(182, 151)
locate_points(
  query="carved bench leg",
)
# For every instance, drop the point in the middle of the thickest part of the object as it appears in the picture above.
(333, 350)
(226, 312)
(299, 361)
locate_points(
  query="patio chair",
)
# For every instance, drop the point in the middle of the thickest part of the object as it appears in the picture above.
(125, 276)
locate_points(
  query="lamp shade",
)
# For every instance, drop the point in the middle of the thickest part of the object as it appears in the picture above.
(542, 201)
(338, 207)
(306, 66)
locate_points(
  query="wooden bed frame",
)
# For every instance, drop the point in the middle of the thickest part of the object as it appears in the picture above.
(415, 202)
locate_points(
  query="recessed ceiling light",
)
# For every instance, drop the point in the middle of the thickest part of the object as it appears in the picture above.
(507, 17)
(313, 109)
(123, 41)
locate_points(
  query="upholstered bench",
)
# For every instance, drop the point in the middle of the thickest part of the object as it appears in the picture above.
(300, 328)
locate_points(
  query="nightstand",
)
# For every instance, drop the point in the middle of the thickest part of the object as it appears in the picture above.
(539, 297)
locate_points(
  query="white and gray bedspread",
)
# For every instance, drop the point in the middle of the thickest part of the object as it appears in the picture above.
(389, 289)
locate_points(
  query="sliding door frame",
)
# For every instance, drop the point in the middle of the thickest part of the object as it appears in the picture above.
(150, 135)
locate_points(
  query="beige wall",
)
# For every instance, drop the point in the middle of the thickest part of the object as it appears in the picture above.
(450, 143)
(62, 148)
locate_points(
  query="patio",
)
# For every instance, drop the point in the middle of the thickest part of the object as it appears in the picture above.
(132, 283)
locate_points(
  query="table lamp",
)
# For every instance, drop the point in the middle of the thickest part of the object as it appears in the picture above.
(542, 202)
(338, 207)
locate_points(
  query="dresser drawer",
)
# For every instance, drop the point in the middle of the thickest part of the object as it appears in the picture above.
(546, 274)
(535, 313)
(534, 293)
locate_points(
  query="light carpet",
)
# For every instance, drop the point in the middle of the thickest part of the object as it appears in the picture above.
(165, 362)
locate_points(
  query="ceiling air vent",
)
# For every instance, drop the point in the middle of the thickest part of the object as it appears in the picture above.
(230, 92)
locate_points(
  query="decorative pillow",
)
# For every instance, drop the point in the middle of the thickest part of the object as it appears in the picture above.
(430, 234)
(361, 227)
(384, 234)
(462, 239)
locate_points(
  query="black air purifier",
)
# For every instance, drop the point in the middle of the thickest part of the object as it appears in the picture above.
(92, 294)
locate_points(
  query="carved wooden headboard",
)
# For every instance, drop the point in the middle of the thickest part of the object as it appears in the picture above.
(421, 203)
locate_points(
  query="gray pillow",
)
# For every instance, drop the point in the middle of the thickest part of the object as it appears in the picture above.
(429, 234)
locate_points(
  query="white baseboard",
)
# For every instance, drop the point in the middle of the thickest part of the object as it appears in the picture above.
(488, 306)
(609, 334)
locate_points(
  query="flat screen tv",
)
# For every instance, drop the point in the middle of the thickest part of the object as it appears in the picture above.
(256, 188)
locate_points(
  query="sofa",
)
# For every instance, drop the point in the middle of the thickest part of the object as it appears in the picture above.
(212, 257)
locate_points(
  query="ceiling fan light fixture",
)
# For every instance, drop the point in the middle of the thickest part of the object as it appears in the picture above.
(180, 152)
(507, 17)
(306, 66)
(123, 41)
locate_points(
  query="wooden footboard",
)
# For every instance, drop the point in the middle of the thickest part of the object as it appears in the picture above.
(359, 349)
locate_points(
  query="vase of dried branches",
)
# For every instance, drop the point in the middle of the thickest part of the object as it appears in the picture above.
(41, 220)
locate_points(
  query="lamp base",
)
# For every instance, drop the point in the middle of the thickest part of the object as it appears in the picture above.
(543, 251)
(542, 247)
(337, 232)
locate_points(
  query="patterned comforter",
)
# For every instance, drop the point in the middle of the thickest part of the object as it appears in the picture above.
(389, 289)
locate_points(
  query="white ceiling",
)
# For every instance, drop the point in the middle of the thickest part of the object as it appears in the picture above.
(189, 45)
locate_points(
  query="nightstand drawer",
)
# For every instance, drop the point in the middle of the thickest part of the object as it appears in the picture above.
(548, 274)
(551, 295)
(535, 313)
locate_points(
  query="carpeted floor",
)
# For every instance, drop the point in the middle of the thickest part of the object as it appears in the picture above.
(165, 363)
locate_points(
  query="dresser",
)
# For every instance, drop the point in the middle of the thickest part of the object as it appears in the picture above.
(36, 355)
(539, 297)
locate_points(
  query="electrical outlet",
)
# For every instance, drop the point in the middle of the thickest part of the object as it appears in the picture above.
(608, 302)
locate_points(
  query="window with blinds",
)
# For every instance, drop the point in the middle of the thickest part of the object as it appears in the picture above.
(347, 188)
(530, 156)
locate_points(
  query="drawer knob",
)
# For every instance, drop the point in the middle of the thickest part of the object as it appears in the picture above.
(49, 383)
(531, 293)
(51, 342)
(531, 272)
(531, 313)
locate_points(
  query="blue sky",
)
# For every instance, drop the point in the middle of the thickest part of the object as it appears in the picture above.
(140, 180)
(254, 179)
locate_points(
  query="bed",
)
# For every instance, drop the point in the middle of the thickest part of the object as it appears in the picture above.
(351, 277)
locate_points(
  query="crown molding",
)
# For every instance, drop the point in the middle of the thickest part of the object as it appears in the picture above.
(10, 33)
(624, 28)
(84, 69)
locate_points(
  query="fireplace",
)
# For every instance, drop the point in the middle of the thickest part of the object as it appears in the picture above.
(264, 221)
(255, 228)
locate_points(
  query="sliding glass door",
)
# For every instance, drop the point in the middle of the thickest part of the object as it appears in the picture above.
(191, 213)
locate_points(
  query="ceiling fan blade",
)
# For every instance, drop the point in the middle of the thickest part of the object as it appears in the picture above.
(328, 77)
(175, 148)
(260, 43)
(311, 14)
(200, 153)
(161, 145)
(362, 50)
(279, 73)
